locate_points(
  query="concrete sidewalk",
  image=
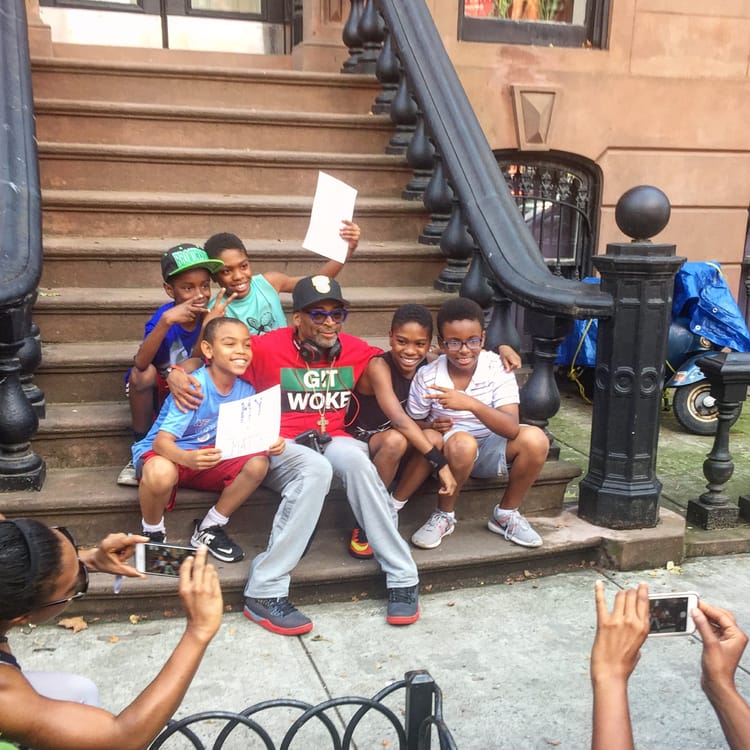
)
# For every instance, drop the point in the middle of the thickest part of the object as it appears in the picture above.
(511, 660)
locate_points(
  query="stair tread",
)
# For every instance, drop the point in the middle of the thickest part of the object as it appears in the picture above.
(46, 105)
(190, 71)
(156, 201)
(289, 249)
(330, 159)
(328, 571)
(115, 298)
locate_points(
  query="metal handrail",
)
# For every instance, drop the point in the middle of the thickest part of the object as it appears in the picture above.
(509, 250)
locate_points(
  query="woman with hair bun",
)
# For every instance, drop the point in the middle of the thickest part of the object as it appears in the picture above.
(41, 572)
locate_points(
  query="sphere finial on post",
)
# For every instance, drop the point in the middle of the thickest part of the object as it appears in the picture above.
(642, 212)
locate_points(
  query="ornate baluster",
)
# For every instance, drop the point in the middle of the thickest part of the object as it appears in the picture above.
(404, 117)
(457, 245)
(371, 32)
(540, 397)
(729, 375)
(30, 357)
(501, 329)
(438, 200)
(20, 249)
(475, 284)
(387, 71)
(420, 156)
(351, 38)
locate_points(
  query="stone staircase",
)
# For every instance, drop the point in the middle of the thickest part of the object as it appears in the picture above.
(138, 155)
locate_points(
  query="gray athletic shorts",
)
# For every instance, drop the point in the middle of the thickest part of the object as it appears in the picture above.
(490, 460)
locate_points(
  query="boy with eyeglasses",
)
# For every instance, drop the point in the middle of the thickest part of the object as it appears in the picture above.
(468, 397)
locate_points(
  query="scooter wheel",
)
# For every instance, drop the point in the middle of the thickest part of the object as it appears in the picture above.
(695, 408)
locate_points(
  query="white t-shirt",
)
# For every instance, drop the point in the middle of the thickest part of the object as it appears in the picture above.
(490, 384)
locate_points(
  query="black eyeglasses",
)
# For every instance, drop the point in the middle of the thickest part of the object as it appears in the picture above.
(474, 344)
(319, 317)
(83, 575)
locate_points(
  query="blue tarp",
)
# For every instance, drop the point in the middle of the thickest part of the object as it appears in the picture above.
(701, 295)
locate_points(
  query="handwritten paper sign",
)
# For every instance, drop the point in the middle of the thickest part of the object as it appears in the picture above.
(333, 202)
(249, 425)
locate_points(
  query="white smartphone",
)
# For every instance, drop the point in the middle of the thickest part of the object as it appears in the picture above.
(160, 559)
(670, 613)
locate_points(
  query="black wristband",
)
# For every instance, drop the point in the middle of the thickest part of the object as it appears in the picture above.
(436, 459)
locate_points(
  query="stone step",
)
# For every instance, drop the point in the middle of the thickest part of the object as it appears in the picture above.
(134, 262)
(69, 314)
(83, 166)
(132, 123)
(147, 214)
(181, 84)
(88, 371)
(88, 501)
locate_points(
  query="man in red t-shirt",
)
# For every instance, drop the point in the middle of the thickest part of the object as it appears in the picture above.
(317, 367)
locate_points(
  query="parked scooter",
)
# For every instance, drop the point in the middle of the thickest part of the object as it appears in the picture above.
(693, 405)
(706, 320)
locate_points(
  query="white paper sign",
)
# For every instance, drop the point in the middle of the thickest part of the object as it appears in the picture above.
(249, 425)
(334, 201)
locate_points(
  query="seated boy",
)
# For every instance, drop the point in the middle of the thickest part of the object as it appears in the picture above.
(254, 299)
(469, 397)
(169, 337)
(398, 447)
(377, 417)
(178, 450)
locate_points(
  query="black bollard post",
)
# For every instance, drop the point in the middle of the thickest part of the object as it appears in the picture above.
(621, 490)
(420, 688)
(729, 375)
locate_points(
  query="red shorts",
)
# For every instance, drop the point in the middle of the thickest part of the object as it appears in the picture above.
(214, 479)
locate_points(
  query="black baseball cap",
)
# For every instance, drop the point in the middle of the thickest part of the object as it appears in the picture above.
(185, 257)
(314, 289)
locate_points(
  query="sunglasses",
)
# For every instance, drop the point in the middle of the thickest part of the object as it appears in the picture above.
(82, 582)
(318, 317)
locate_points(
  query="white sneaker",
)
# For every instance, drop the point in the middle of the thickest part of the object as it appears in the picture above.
(514, 527)
(438, 525)
(127, 476)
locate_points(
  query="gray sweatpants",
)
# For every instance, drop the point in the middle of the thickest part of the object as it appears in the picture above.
(302, 477)
(371, 506)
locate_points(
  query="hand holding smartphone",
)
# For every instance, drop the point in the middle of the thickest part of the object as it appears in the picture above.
(160, 559)
(670, 614)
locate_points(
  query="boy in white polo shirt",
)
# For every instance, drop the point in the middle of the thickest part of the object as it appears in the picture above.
(468, 397)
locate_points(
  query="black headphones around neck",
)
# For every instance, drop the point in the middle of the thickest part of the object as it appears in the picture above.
(312, 354)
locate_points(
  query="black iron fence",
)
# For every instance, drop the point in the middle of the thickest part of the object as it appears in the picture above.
(324, 725)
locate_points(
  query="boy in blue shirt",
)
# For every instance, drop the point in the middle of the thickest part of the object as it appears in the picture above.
(179, 448)
(169, 336)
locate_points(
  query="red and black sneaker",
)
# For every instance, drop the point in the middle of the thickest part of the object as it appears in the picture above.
(359, 547)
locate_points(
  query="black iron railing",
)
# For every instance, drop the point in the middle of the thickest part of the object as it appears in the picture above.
(491, 254)
(422, 709)
(21, 404)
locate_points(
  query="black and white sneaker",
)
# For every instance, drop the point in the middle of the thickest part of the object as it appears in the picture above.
(157, 537)
(218, 542)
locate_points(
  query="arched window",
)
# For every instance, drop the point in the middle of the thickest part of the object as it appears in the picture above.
(558, 195)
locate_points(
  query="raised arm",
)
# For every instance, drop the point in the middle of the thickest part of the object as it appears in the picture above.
(723, 646)
(619, 637)
(44, 724)
(281, 282)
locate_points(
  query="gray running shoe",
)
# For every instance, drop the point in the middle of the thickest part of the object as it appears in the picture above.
(438, 525)
(127, 476)
(514, 527)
